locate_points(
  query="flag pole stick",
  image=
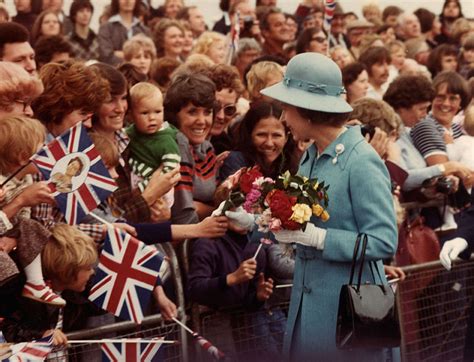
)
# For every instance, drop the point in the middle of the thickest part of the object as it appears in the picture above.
(258, 250)
(184, 326)
(283, 286)
(103, 221)
(125, 340)
(18, 170)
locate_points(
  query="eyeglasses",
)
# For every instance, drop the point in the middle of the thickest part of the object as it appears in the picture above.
(229, 110)
(319, 39)
(24, 103)
(441, 98)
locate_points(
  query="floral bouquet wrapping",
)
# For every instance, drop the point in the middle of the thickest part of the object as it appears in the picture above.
(287, 203)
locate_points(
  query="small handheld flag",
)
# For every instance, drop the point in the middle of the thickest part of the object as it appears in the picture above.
(75, 172)
(126, 275)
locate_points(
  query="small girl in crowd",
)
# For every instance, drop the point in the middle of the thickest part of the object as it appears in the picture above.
(152, 141)
(20, 138)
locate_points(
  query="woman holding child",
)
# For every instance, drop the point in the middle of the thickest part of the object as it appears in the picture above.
(313, 108)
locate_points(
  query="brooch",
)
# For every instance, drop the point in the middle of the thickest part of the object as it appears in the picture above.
(339, 150)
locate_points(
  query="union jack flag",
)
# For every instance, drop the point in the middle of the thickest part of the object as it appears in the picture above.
(126, 275)
(329, 8)
(31, 351)
(88, 188)
(131, 352)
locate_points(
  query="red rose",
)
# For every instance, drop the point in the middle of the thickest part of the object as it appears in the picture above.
(247, 179)
(280, 205)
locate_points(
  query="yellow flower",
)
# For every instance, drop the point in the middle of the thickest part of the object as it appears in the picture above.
(301, 213)
(305, 179)
(325, 216)
(316, 185)
(317, 210)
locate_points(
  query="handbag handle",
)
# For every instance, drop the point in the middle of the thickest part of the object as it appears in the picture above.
(354, 258)
(362, 259)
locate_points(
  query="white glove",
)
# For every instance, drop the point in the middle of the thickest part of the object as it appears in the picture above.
(312, 236)
(218, 211)
(451, 250)
(241, 218)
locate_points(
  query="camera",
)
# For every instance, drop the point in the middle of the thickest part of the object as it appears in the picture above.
(444, 185)
(248, 23)
(367, 129)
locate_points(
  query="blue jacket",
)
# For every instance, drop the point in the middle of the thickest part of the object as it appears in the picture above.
(360, 201)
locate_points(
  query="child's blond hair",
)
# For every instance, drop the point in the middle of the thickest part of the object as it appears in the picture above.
(107, 149)
(143, 90)
(67, 251)
(20, 137)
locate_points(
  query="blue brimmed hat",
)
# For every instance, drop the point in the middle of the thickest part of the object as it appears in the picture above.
(312, 81)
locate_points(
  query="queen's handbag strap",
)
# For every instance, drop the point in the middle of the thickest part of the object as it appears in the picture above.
(354, 258)
(362, 260)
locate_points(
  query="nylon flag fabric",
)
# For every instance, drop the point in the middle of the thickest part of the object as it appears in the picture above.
(76, 174)
(126, 275)
(28, 351)
(131, 352)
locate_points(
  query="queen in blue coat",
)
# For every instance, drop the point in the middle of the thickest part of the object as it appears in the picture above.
(360, 201)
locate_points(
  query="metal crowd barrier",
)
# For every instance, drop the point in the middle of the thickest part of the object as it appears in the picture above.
(434, 306)
(434, 309)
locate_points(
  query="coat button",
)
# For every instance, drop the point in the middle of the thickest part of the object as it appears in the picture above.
(306, 289)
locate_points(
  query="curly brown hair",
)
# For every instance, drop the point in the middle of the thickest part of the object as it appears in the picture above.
(68, 87)
(226, 76)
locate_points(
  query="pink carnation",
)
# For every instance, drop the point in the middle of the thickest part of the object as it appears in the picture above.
(274, 224)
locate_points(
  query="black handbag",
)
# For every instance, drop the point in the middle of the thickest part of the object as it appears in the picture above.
(367, 316)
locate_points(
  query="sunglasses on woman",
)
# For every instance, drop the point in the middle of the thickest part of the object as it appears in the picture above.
(319, 39)
(229, 110)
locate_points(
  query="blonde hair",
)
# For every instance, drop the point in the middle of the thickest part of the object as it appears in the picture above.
(107, 149)
(137, 43)
(259, 74)
(143, 90)
(469, 120)
(67, 251)
(395, 45)
(206, 40)
(19, 137)
(376, 113)
(16, 83)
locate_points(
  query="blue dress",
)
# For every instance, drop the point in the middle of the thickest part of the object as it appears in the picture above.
(360, 201)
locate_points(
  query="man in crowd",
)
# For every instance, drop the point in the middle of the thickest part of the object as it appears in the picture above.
(377, 61)
(15, 48)
(274, 31)
(193, 15)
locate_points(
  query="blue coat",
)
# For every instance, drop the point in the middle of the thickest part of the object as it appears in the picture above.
(360, 201)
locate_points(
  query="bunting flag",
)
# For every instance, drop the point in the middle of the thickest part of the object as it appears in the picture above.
(329, 7)
(31, 351)
(208, 347)
(76, 174)
(234, 38)
(131, 352)
(126, 275)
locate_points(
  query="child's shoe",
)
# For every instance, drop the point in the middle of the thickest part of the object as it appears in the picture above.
(42, 293)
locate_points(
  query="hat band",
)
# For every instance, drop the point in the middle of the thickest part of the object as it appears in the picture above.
(325, 89)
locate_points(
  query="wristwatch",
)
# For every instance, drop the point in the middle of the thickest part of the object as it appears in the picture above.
(442, 168)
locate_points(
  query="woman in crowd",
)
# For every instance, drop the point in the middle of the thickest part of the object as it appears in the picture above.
(47, 23)
(341, 158)
(430, 26)
(262, 74)
(451, 12)
(140, 51)
(312, 40)
(442, 58)
(213, 45)
(169, 37)
(411, 96)
(172, 7)
(189, 105)
(261, 142)
(341, 56)
(122, 24)
(356, 81)
(229, 88)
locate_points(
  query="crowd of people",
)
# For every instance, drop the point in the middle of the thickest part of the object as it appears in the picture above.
(379, 107)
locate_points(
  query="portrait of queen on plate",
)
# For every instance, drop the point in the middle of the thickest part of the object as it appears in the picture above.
(64, 181)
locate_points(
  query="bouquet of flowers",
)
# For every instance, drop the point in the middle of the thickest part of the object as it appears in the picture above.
(287, 203)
